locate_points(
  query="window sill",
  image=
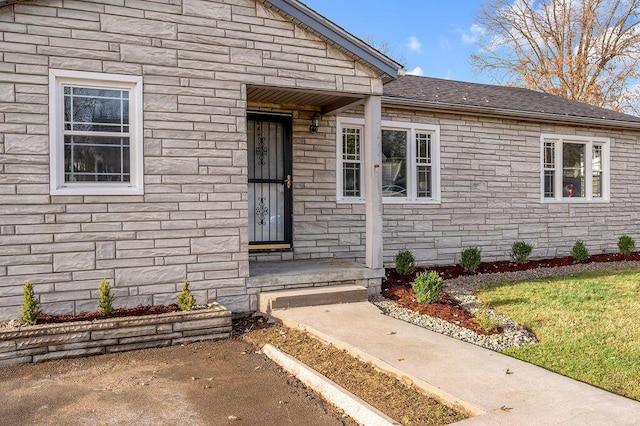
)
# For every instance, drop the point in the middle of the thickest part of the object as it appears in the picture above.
(417, 202)
(574, 201)
(392, 202)
(97, 190)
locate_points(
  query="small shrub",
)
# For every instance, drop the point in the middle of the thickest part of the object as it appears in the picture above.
(105, 301)
(626, 244)
(579, 251)
(427, 287)
(405, 262)
(30, 305)
(185, 299)
(487, 322)
(470, 259)
(520, 252)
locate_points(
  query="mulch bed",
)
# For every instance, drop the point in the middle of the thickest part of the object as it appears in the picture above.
(118, 312)
(446, 308)
(398, 287)
(455, 271)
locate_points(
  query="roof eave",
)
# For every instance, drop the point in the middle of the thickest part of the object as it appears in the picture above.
(337, 35)
(500, 112)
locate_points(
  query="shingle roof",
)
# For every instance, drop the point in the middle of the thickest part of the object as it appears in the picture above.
(500, 100)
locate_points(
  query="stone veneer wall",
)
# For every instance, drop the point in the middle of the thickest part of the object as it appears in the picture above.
(196, 58)
(54, 341)
(490, 182)
(322, 228)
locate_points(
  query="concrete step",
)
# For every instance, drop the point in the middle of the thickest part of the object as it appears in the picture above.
(312, 296)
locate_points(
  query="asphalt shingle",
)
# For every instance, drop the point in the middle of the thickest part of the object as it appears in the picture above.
(435, 91)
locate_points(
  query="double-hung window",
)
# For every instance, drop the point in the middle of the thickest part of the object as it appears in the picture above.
(95, 133)
(409, 167)
(575, 168)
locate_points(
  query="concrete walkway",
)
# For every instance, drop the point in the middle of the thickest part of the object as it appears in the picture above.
(498, 389)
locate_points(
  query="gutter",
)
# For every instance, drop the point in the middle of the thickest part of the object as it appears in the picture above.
(501, 113)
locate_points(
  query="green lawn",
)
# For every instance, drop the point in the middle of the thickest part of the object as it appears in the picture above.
(588, 325)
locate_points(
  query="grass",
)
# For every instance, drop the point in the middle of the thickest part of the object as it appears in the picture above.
(588, 325)
(487, 322)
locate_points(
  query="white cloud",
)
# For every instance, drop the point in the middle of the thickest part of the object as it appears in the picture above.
(414, 44)
(416, 71)
(472, 35)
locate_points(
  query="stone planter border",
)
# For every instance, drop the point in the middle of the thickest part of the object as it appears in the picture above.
(38, 343)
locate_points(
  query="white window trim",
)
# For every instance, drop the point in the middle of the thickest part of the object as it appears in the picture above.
(412, 129)
(57, 78)
(558, 140)
(352, 123)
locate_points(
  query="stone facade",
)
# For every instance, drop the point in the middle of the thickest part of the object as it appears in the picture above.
(490, 184)
(196, 59)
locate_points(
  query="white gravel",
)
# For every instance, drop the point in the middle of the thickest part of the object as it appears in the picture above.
(462, 290)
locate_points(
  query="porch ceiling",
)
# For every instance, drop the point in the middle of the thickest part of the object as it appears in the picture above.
(330, 103)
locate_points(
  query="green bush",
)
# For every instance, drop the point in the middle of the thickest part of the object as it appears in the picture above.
(626, 244)
(105, 301)
(185, 299)
(30, 305)
(405, 262)
(579, 251)
(427, 287)
(470, 259)
(520, 252)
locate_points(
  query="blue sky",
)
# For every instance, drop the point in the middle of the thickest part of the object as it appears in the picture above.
(435, 36)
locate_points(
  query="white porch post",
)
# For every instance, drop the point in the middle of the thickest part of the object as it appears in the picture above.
(373, 181)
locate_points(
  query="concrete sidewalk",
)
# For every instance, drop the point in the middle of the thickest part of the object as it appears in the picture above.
(498, 389)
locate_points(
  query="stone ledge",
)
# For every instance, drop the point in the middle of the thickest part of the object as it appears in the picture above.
(54, 341)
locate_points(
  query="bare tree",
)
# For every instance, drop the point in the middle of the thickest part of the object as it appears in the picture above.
(586, 50)
(385, 48)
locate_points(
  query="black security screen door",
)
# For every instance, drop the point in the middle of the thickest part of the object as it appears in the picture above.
(270, 167)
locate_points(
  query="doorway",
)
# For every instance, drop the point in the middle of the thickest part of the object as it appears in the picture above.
(270, 164)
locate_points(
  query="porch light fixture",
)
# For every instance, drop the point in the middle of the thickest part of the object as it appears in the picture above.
(315, 123)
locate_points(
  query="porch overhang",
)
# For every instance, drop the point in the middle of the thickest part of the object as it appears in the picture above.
(330, 103)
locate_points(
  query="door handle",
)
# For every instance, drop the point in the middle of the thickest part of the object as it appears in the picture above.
(288, 181)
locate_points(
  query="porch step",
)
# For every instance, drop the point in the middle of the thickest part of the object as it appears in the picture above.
(314, 296)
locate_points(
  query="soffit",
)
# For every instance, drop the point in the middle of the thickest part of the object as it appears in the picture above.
(330, 103)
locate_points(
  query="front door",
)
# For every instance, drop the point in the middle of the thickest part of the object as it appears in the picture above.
(270, 167)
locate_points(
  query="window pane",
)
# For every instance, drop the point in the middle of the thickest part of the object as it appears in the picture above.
(423, 148)
(549, 184)
(597, 185)
(573, 170)
(597, 168)
(97, 110)
(394, 163)
(596, 162)
(351, 180)
(96, 159)
(424, 181)
(351, 144)
(549, 155)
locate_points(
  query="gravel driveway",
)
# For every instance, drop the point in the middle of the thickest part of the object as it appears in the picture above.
(199, 384)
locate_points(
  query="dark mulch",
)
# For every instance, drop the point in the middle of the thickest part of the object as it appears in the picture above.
(446, 308)
(454, 271)
(247, 323)
(118, 312)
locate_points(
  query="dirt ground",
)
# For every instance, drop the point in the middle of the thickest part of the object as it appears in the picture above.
(206, 383)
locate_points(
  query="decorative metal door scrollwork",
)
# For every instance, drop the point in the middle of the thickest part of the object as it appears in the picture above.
(261, 150)
(262, 211)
